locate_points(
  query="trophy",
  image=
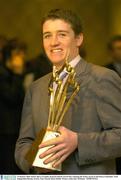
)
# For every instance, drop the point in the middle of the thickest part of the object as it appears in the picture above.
(58, 107)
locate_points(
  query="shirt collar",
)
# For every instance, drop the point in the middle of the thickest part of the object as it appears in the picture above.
(73, 62)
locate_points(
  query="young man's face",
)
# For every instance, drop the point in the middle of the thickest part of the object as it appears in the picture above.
(59, 40)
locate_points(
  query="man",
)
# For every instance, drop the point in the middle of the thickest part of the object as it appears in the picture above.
(114, 47)
(90, 134)
(11, 101)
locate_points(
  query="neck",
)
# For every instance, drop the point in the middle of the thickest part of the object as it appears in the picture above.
(59, 66)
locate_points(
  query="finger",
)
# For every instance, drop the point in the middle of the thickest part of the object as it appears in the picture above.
(55, 156)
(52, 150)
(61, 129)
(51, 142)
(59, 160)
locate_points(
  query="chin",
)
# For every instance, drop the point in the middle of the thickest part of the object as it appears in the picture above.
(58, 62)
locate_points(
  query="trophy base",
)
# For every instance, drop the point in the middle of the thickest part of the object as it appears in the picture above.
(38, 162)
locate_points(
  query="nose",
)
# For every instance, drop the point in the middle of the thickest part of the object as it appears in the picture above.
(54, 41)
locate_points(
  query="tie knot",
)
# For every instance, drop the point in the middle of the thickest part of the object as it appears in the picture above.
(62, 75)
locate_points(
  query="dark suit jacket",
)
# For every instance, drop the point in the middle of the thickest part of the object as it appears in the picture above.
(95, 115)
(118, 160)
(111, 66)
(11, 101)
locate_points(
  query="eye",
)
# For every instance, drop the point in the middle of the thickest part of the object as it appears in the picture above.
(46, 36)
(62, 34)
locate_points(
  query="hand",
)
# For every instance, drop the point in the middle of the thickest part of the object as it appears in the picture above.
(61, 147)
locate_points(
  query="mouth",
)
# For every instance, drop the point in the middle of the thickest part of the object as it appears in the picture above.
(56, 50)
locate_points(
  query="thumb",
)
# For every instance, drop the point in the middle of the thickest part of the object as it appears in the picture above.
(61, 129)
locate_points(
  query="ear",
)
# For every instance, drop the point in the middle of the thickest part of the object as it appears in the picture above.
(79, 39)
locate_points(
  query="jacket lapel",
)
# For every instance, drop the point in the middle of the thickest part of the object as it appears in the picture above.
(81, 70)
(82, 73)
(46, 103)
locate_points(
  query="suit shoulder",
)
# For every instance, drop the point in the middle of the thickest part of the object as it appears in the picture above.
(103, 82)
(43, 81)
(100, 73)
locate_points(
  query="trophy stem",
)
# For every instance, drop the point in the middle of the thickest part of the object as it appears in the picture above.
(56, 101)
(61, 104)
(66, 107)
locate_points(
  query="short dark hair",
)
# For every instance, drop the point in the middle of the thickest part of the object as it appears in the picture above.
(13, 44)
(113, 40)
(66, 15)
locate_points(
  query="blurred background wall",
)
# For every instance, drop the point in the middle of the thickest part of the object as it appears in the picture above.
(100, 19)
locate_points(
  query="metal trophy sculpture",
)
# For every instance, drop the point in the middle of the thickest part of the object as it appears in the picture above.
(58, 107)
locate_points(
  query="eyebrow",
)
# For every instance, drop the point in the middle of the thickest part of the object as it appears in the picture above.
(63, 31)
